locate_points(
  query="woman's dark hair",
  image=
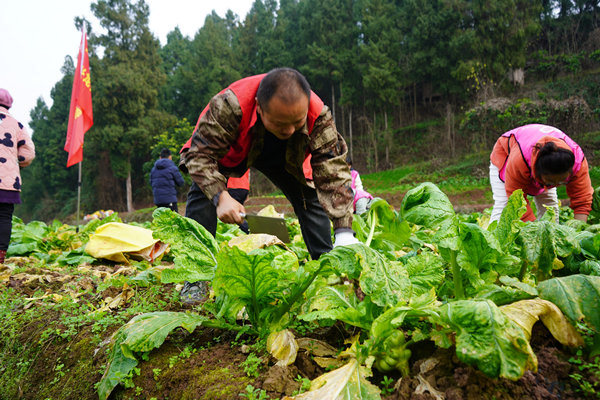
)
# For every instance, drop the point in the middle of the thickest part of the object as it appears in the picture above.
(287, 83)
(552, 160)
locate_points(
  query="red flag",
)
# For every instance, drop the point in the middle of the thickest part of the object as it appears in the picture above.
(80, 114)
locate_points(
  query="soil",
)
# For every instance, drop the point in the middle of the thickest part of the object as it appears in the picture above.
(218, 364)
(448, 378)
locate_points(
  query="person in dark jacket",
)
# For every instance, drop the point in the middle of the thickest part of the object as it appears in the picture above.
(164, 178)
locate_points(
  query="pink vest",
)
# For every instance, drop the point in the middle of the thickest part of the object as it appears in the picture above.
(527, 137)
(358, 193)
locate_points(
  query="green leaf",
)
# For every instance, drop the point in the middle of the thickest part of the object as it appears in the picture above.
(393, 318)
(339, 303)
(594, 216)
(28, 238)
(590, 246)
(512, 290)
(247, 277)
(543, 241)
(577, 296)
(386, 282)
(426, 205)
(382, 229)
(75, 257)
(345, 261)
(489, 340)
(425, 271)
(479, 252)
(141, 334)
(510, 222)
(192, 245)
(22, 249)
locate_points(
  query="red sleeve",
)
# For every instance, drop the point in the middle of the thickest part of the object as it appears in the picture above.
(580, 190)
(500, 152)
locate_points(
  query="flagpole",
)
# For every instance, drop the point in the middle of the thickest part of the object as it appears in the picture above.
(80, 115)
(78, 195)
(80, 162)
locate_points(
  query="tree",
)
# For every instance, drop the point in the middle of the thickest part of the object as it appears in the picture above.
(259, 48)
(176, 92)
(502, 30)
(128, 78)
(214, 63)
(566, 24)
(330, 32)
(381, 60)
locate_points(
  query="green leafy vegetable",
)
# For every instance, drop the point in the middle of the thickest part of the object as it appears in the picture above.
(382, 229)
(386, 282)
(425, 271)
(577, 296)
(192, 245)
(510, 222)
(339, 303)
(542, 242)
(486, 338)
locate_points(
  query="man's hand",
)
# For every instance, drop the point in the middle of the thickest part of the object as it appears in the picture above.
(345, 238)
(229, 210)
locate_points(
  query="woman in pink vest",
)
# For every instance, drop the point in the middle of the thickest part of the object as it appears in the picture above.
(536, 158)
(16, 151)
(362, 198)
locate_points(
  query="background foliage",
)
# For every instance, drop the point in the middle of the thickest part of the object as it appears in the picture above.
(407, 81)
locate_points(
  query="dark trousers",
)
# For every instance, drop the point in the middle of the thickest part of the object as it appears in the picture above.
(6, 212)
(314, 223)
(172, 206)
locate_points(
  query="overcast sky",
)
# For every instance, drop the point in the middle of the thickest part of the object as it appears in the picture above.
(36, 35)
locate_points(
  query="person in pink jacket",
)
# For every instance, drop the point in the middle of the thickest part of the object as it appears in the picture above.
(16, 151)
(536, 158)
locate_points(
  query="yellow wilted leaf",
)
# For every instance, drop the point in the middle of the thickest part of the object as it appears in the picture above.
(4, 273)
(283, 346)
(39, 297)
(125, 270)
(347, 382)
(120, 299)
(56, 297)
(254, 241)
(53, 296)
(328, 363)
(28, 278)
(317, 347)
(527, 312)
(269, 211)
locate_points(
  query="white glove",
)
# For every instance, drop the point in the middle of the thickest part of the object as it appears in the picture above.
(345, 238)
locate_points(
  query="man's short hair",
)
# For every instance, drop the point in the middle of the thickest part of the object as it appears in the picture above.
(287, 83)
(165, 153)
